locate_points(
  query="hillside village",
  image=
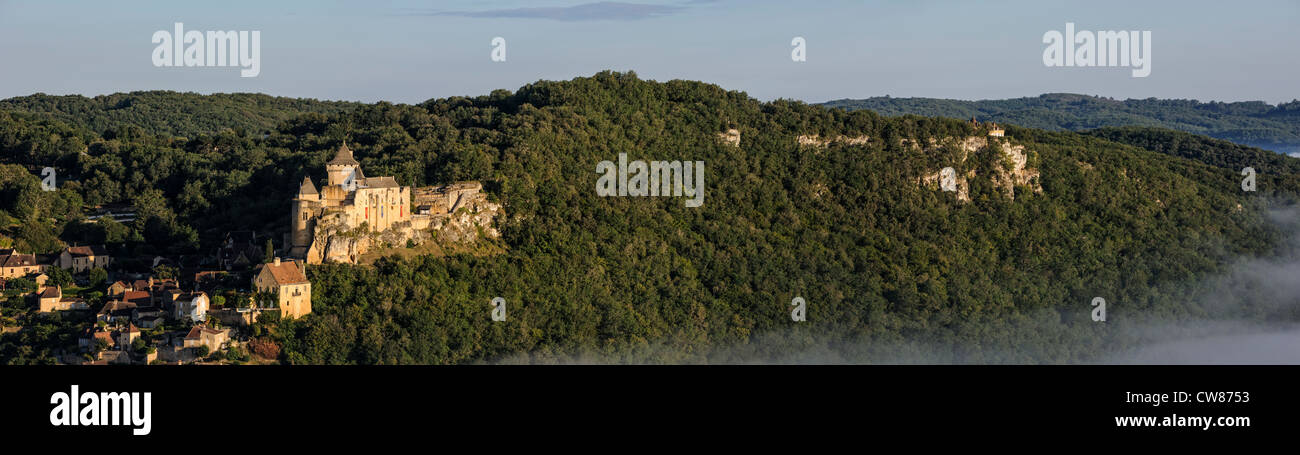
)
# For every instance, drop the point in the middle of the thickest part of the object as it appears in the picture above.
(162, 317)
(207, 309)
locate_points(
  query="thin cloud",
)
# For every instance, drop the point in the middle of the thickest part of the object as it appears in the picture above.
(600, 11)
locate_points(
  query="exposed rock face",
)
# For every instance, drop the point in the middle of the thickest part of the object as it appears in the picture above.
(1007, 176)
(1018, 175)
(471, 218)
(817, 141)
(731, 137)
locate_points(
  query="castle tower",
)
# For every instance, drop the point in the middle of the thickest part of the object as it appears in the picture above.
(304, 208)
(343, 168)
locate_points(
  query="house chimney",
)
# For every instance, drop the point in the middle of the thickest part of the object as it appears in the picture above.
(277, 261)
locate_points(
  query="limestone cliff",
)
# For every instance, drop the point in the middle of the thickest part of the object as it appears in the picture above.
(1013, 171)
(817, 141)
(334, 241)
(470, 220)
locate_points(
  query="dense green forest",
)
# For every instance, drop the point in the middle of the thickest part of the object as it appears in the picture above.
(172, 113)
(1252, 123)
(887, 265)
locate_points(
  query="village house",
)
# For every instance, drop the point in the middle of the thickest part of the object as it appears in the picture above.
(288, 281)
(93, 333)
(48, 297)
(137, 298)
(148, 318)
(116, 311)
(166, 297)
(117, 288)
(14, 265)
(51, 299)
(192, 306)
(204, 336)
(127, 335)
(82, 258)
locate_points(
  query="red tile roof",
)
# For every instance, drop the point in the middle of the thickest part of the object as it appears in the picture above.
(140, 298)
(52, 292)
(92, 250)
(288, 272)
(197, 331)
(116, 306)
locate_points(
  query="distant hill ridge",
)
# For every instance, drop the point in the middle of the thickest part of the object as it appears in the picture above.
(1252, 123)
(173, 113)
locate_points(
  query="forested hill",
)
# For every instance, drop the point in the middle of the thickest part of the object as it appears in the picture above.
(172, 113)
(1252, 123)
(839, 208)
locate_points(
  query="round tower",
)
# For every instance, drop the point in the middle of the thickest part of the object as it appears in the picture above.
(304, 208)
(342, 169)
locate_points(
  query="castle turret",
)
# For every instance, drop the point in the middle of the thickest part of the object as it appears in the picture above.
(342, 169)
(304, 208)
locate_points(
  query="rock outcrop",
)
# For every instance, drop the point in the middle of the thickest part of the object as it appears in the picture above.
(817, 141)
(468, 222)
(470, 219)
(730, 137)
(1013, 171)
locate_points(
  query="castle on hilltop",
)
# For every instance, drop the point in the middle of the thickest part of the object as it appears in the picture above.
(351, 202)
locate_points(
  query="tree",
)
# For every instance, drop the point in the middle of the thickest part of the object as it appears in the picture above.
(265, 348)
(21, 285)
(98, 277)
(59, 276)
(165, 272)
(202, 351)
(270, 251)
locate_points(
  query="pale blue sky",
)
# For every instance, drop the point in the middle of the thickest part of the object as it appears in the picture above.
(409, 51)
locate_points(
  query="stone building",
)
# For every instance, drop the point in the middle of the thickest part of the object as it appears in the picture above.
(15, 265)
(82, 258)
(214, 339)
(349, 199)
(351, 213)
(288, 280)
(51, 298)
